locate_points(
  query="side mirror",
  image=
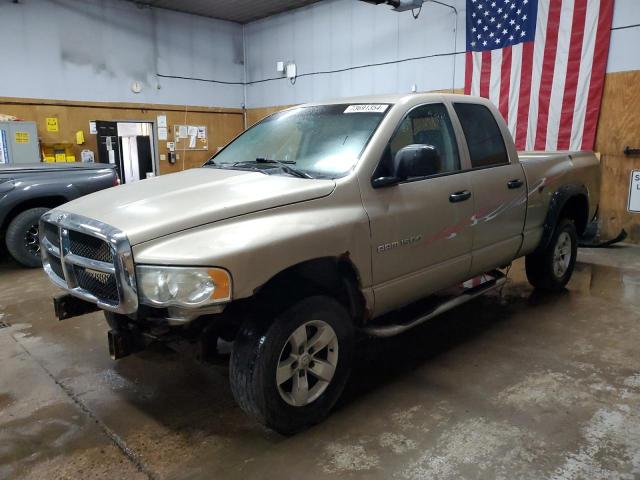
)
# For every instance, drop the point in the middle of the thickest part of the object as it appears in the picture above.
(416, 161)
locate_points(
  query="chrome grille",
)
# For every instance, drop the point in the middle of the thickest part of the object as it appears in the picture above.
(52, 233)
(102, 285)
(90, 247)
(89, 259)
(56, 266)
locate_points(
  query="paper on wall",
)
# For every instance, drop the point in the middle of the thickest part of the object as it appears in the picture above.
(202, 132)
(192, 131)
(52, 124)
(93, 130)
(192, 141)
(182, 131)
(162, 121)
(162, 133)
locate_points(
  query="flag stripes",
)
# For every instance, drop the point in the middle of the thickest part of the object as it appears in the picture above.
(548, 87)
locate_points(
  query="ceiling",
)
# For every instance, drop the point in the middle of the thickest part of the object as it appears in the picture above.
(241, 11)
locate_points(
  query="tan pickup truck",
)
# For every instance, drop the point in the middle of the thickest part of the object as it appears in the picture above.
(317, 222)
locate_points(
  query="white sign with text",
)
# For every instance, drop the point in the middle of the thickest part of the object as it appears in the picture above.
(634, 192)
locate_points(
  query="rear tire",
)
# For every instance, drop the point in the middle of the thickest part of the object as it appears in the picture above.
(552, 268)
(22, 237)
(276, 374)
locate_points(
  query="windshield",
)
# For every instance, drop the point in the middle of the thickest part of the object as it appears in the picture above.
(319, 141)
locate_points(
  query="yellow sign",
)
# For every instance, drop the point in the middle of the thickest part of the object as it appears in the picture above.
(52, 124)
(22, 137)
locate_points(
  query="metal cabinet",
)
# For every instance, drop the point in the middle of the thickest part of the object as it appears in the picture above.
(19, 143)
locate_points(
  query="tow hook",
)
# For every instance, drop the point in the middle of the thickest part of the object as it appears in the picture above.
(123, 343)
(67, 306)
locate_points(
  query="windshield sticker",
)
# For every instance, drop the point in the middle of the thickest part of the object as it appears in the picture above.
(366, 109)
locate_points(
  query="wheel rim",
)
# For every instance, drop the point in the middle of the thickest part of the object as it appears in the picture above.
(31, 241)
(562, 255)
(307, 363)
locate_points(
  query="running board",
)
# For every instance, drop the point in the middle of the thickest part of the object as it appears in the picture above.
(496, 280)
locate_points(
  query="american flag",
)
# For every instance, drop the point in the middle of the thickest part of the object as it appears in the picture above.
(542, 63)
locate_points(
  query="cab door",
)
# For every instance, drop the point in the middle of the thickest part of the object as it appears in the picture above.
(499, 188)
(420, 236)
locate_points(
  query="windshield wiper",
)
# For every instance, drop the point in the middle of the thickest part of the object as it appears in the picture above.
(285, 166)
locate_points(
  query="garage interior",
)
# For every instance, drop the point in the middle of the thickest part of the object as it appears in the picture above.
(514, 384)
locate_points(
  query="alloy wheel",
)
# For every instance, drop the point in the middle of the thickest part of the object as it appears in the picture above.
(307, 363)
(562, 254)
(31, 240)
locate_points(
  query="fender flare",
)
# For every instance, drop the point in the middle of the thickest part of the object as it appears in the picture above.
(557, 204)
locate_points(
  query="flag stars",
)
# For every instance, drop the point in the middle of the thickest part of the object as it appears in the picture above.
(497, 23)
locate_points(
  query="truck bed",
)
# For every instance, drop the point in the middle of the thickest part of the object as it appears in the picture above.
(546, 173)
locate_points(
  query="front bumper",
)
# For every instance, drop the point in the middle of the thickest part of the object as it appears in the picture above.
(106, 277)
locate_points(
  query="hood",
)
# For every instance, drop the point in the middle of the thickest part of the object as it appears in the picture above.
(170, 203)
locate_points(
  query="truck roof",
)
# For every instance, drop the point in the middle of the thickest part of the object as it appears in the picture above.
(392, 98)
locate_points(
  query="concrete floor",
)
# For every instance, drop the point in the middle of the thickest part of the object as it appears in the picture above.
(518, 386)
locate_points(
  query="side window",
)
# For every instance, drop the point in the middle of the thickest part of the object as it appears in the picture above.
(484, 139)
(427, 125)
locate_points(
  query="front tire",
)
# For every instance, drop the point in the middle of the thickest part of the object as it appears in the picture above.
(22, 237)
(552, 268)
(289, 373)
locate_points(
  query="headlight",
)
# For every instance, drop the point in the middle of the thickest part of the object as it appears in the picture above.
(182, 286)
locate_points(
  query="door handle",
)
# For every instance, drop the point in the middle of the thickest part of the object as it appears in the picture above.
(517, 183)
(460, 196)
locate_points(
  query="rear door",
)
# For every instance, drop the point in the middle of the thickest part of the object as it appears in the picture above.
(499, 188)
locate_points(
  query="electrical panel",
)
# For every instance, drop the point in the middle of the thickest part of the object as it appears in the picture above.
(19, 143)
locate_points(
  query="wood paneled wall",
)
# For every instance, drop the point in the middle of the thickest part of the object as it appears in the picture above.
(254, 115)
(222, 124)
(618, 127)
